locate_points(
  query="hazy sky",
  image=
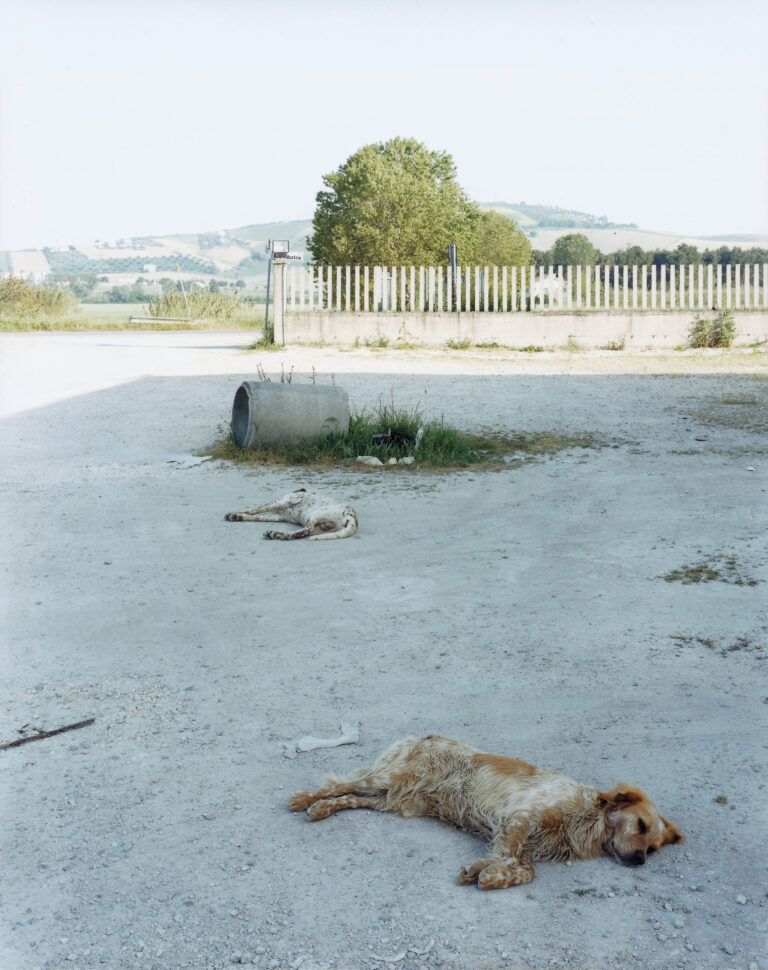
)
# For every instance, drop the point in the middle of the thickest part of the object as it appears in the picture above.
(119, 119)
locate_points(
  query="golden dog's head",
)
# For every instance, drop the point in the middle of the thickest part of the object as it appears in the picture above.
(634, 826)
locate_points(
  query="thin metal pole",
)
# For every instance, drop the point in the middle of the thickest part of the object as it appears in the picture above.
(184, 292)
(266, 308)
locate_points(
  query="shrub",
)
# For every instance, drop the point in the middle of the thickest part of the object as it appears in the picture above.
(719, 332)
(204, 305)
(22, 300)
(723, 330)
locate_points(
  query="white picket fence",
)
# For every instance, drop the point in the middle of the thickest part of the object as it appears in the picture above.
(504, 289)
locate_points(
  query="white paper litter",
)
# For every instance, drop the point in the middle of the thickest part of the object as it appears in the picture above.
(350, 734)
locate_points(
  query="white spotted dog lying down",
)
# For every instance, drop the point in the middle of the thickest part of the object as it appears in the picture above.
(526, 813)
(321, 517)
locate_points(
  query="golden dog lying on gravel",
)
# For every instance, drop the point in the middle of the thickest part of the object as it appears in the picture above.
(321, 518)
(527, 813)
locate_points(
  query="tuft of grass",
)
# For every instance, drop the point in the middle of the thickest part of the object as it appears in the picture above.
(377, 343)
(724, 569)
(615, 345)
(395, 431)
(699, 573)
(267, 340)
(440, 445)
(532, 349)
(721, 799)
(464, 344)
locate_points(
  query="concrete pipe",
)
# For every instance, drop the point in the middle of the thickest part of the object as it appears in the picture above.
(264, 413)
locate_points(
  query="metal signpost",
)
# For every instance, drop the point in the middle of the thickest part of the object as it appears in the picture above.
(279, 256)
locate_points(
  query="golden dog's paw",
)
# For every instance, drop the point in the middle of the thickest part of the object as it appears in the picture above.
(500, 875)
(494, 876)
(320, 809)
(300, 802)
(469, 874)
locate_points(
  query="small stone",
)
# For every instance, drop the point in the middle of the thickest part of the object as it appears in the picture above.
(668, 907)
(662, 937)
(741, 900)
(392, 461)
(236, 958)
(679, 923)
(234, 912)
(729, 949)
(406, 461)
(369, 460)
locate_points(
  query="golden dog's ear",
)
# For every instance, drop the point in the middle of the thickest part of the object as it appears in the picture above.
(622, 794)
(672, 833)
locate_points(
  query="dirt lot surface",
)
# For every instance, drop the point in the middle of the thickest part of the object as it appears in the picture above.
(523, 611)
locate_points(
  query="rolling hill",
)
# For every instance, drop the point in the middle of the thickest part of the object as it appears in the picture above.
(240, 253)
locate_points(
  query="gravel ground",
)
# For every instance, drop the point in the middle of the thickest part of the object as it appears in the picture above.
(522, 611)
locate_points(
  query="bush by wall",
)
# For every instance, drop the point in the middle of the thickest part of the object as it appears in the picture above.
(720, 332)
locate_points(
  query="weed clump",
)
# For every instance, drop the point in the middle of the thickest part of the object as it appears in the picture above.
(389, 432)
(386, 432)
(720, 332)
(724, 569)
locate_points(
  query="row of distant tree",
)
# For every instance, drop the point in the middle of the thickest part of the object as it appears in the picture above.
(576, 250)
(84, 288)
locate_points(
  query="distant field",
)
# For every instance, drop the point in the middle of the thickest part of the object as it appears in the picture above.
(116, 316)
(239, 254)
(111, 312)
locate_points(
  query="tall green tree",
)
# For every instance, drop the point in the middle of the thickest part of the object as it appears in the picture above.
(573, 250)
(394, 202)
(497, 242)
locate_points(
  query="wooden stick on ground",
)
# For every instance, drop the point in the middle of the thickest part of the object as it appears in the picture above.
(48, 734)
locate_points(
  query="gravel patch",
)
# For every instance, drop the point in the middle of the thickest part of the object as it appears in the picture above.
(524, 611)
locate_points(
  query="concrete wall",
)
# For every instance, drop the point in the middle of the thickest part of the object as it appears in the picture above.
(541, 328)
